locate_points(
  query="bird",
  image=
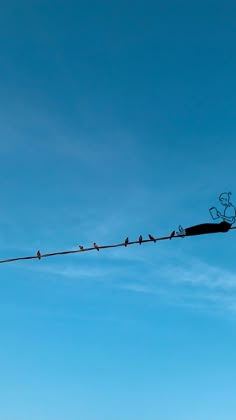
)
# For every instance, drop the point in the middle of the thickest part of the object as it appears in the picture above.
(126, 241)
(140, 239)
(152, 238)
(96, 246)
(39, 255)
(81, 247)
(172, 234)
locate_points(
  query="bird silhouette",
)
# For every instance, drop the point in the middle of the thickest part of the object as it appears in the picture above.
(140, 239)
(126, 241)
(172, 234)
(39, 255)
(152, 238)
(81, 247)
(96, 246)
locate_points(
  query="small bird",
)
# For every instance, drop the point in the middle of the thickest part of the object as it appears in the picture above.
(81, 247)
(39, 255)
(172, 234)
(140, 239)
(126, 241)
(152, 238)
(96, 246)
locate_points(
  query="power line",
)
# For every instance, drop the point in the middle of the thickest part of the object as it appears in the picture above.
(94, 248)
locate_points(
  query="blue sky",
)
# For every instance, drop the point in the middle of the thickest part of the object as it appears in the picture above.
(116, 119)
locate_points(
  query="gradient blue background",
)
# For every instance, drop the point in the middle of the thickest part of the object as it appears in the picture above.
(116, 119)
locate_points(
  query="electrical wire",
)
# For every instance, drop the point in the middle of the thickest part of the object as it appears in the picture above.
(39, 256)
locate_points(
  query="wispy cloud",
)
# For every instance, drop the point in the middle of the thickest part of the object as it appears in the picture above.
(199, 274)
(195, 285)
(78, 272)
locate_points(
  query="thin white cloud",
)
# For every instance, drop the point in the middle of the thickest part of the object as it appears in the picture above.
(199, 274)
(193, 283)
(78, 271)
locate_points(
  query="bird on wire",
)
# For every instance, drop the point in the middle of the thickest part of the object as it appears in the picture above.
(39, 256)
(152, 238)
(172, 234)
(126, 241)
(200, 229)
(96, 246)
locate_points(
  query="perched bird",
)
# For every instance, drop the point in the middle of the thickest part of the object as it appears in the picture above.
(140, 239)
(81, 247)
(126, 241)
(96, 246)
(152, 238)
(39, 255)
(172, 234)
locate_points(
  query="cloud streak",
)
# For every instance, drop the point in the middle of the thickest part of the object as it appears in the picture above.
(195, 285)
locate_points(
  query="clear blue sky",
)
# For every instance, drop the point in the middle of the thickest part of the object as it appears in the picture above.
(116, 119)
